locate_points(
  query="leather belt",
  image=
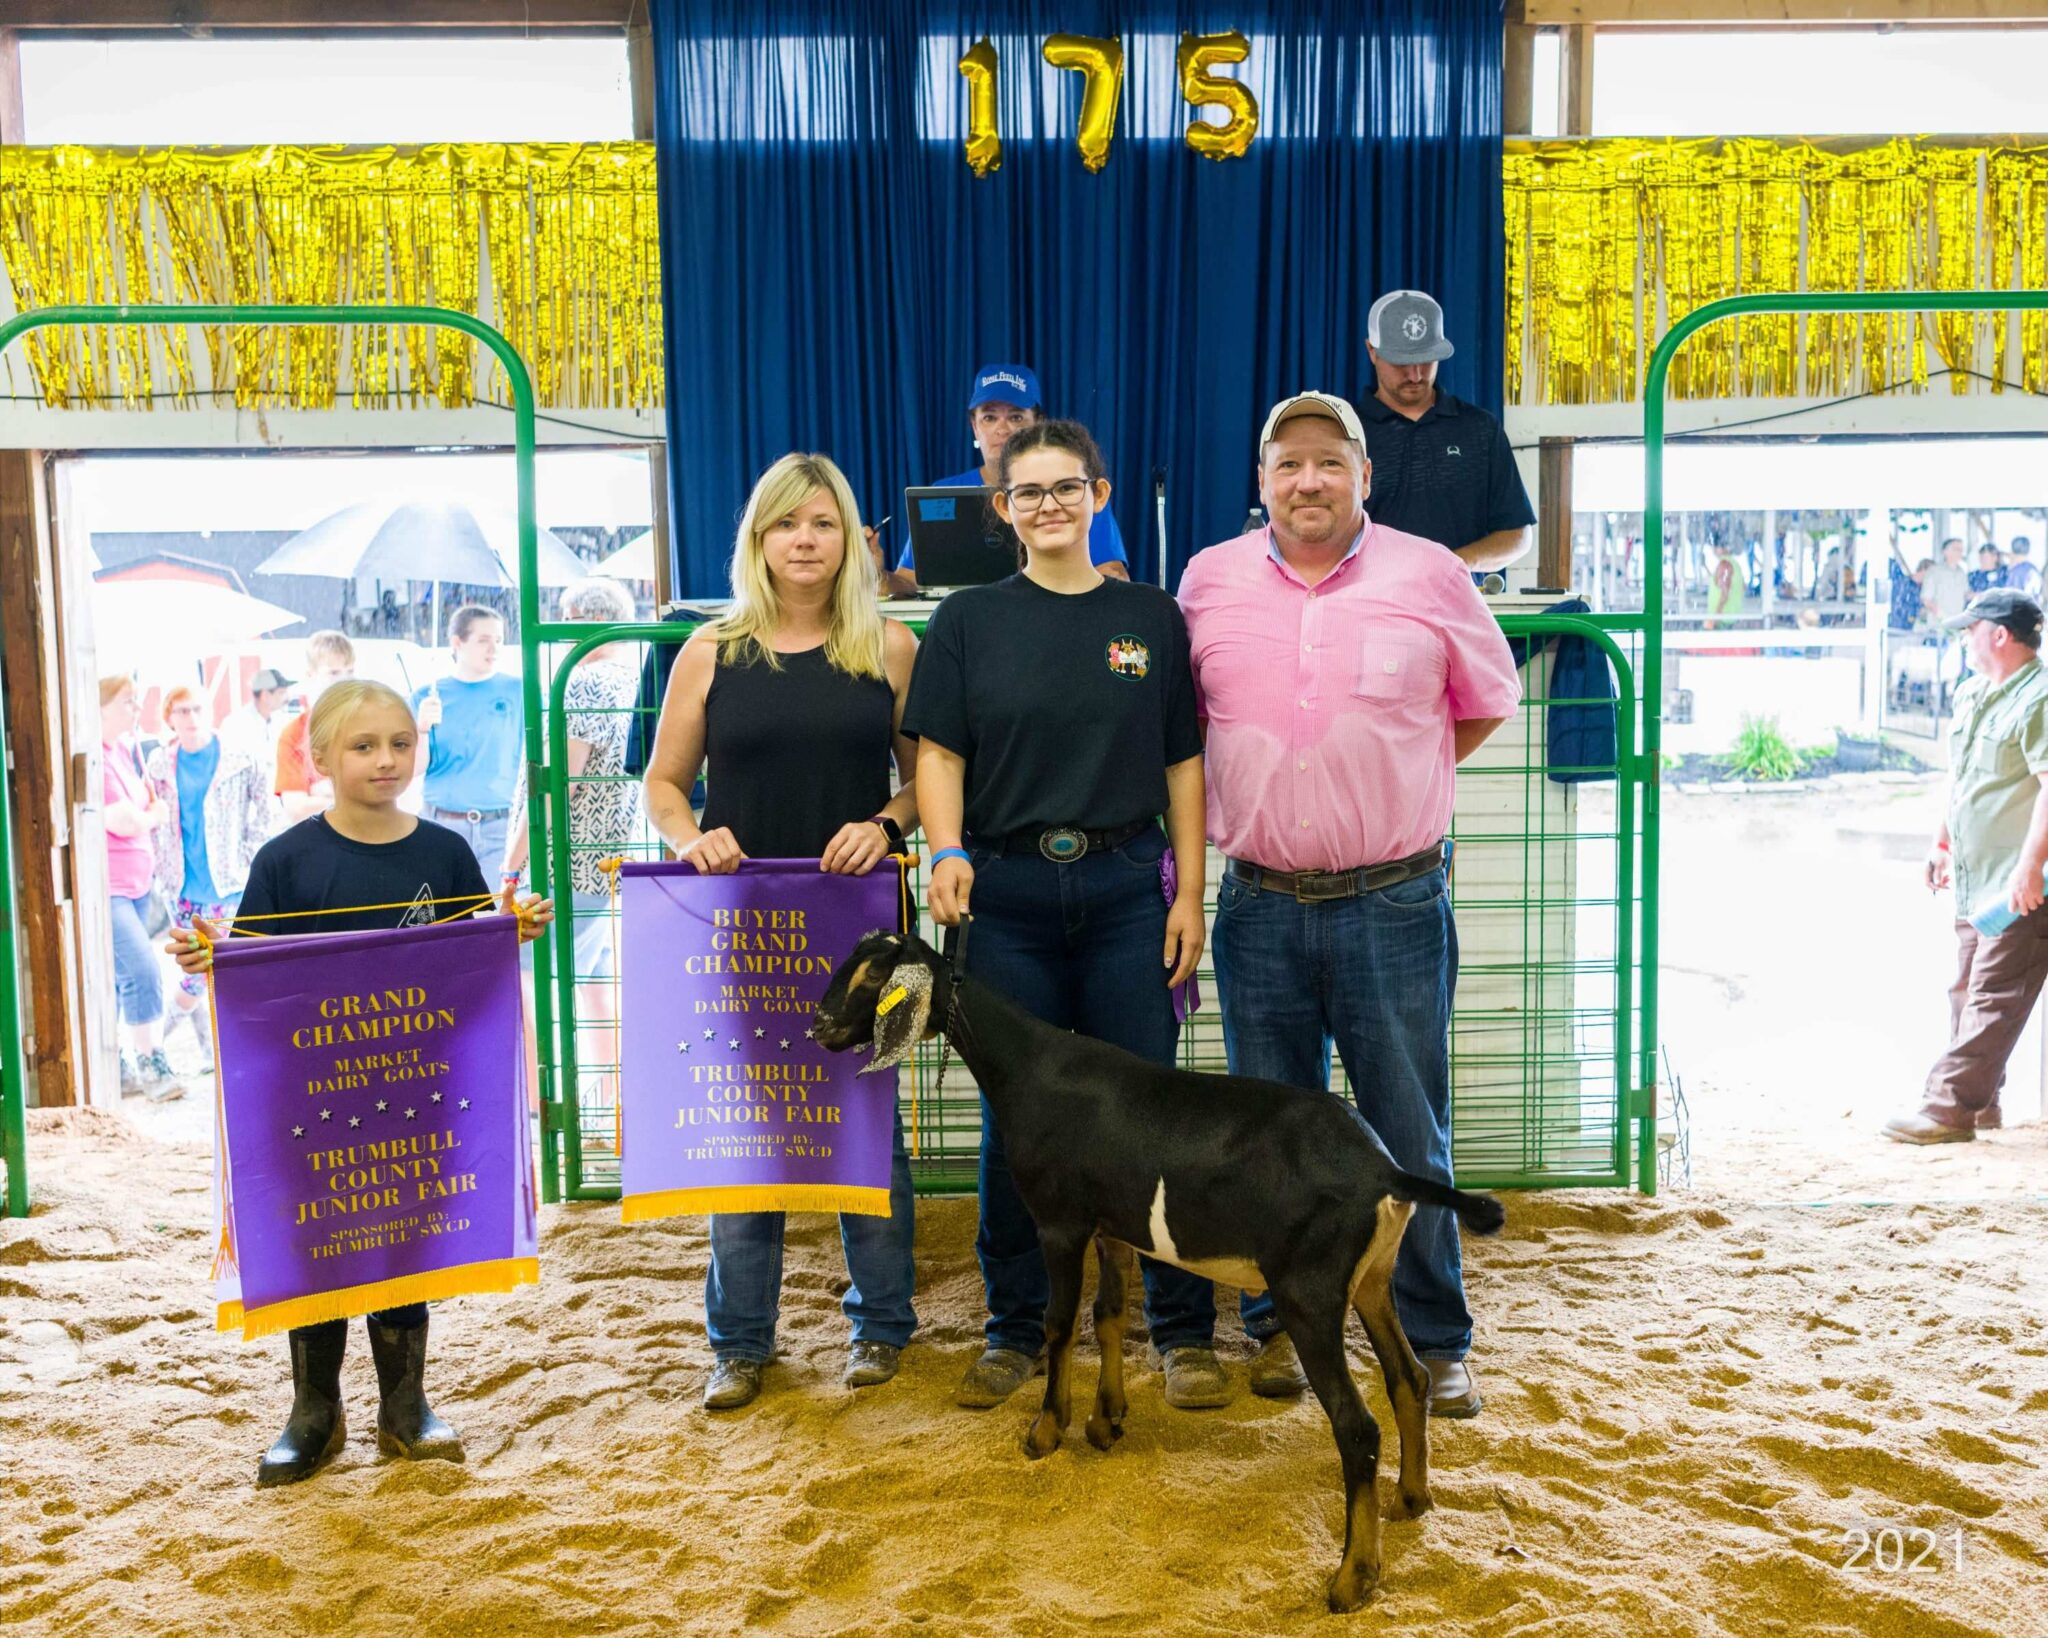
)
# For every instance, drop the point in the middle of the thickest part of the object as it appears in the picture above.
(1063, 844)
(475, 816)
(1318, 886)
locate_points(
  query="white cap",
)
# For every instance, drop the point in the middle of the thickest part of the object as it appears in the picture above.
(1326, 404)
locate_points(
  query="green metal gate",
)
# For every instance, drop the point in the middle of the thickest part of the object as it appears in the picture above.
(13, 1083)
(1545, 886)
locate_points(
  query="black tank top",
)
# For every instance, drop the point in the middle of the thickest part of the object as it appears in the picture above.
(793, 754)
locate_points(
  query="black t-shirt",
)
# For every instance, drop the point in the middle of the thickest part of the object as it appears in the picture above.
(1068, 709)
(1449, 477)
(313, 867)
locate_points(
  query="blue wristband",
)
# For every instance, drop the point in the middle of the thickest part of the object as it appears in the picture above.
(944, 853)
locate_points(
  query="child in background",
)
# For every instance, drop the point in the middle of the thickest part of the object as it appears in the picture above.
(364, 851)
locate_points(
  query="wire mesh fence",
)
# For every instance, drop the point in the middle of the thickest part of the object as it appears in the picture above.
(1544, 884)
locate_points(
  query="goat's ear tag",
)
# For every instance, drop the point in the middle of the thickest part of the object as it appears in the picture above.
(891, 1001)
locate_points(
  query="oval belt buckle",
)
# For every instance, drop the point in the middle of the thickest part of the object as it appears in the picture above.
(1063, 846)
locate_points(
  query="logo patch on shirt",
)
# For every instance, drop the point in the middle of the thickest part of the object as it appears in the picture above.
(420, 913)
(1129, 657)
(1452, 449)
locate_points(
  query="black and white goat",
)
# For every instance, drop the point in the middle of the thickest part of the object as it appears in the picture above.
(1252, 1183)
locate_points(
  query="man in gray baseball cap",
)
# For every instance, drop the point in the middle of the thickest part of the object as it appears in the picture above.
(1991, 848)
(1441, 468)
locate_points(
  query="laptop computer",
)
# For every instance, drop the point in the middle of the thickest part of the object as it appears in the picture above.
(956, 539)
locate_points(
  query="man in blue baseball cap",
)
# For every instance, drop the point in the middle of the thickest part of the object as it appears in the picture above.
(1005, 400)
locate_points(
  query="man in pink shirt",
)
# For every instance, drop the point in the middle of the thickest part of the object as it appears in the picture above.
(1344, 670)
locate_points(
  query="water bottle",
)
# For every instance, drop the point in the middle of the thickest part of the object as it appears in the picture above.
(1993, 915)
(1254, 521)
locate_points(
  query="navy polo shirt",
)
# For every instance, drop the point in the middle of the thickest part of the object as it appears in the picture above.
(1448, 476)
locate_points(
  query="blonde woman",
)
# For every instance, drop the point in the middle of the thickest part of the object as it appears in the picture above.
(365, 850)
(793, 704)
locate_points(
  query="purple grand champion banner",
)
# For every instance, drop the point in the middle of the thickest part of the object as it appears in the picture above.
(728, 1104)
(373, 1115)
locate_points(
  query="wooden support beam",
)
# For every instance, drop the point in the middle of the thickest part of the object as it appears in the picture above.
(11, 122)
(1518, 81)
(1554, 512)
(1575, 91)
(640, 75)
(39, 789)
(1753, 13)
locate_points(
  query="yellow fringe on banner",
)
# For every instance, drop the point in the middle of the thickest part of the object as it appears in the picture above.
(469, 1280)
(640, 1208)
(1610, 241)
(554, 243)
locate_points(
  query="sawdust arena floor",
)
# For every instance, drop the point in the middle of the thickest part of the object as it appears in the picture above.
(1691, 1403)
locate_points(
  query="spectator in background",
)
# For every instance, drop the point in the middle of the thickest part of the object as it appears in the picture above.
(603, 802)
(132, 813)
(1727, 586)
(1827, 585)
(1004, 401)
(1947, 586)
(302, 790)
(253, 729)
(1905, 611)
(220, 810)
(473, 722)
(2022, 574)
(1989, 572)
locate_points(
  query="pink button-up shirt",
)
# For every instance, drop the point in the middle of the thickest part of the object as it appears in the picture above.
(1330, 707)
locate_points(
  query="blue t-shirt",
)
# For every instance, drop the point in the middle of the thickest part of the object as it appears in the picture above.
(1105, 542)
(473, 753)
(195, 776)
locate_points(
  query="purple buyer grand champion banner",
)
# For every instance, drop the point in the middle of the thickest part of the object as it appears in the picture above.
(373, 1107)
(728, 1103)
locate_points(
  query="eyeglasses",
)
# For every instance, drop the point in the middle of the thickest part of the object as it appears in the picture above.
(1029, 497)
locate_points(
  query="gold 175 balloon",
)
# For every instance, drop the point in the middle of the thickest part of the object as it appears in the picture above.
(984, 147)
(1102, 61)
(1198, 52)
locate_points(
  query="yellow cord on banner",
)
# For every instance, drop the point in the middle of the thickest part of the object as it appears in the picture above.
(611, 868)
(907, 923)
(225, 1251)
(472, 901)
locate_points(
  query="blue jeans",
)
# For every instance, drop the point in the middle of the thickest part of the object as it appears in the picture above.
(743, 1291)
(486, 838)
(1374, 973)
(138, 979)
(1077, 945)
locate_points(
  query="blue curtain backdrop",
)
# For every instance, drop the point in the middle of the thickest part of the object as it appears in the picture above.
(833, 271)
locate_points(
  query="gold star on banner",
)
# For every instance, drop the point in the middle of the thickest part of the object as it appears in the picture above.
(810, 1032)
(710, 1035)
(759, 1032)
(733, 1045)
(437, 1097)
(382, 1106)
(410, 1113)
(462, 1103)
(784, 1043)
(355, 1120)
(327, 1114)
(298, 1131)
(682, 1046)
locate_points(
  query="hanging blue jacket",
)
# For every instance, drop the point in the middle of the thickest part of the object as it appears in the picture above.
(1583, 742)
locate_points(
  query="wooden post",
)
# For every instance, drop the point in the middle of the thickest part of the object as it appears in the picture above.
(1518, 81)
(640, 75)
(40, 785)
(1575, 94)
(1554, 513)
(11, 124)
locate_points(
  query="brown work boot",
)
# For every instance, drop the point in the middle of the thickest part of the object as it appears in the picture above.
(1921, 1129)
(997, 1374)
(1195, 1379)
(1276, 1369)
(1989, 1120)
(734, 1382)
(1452, 1391)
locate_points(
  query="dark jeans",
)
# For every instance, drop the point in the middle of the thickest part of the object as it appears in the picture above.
(1079, 946)
(1375, 974)
(743, 1290)
(409, 1318)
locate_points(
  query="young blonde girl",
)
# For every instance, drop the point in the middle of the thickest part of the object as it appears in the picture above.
(364, 851)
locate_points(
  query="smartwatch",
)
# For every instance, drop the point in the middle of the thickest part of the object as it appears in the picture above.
(890, 829)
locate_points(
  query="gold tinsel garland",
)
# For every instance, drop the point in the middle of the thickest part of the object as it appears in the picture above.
(1610, 241)
(553, 242)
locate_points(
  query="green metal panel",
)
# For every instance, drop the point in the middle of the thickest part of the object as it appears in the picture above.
(1650, 623)
(13, 1087)
(1542, 1035)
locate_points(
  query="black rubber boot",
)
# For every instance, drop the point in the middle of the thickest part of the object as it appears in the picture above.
(406, 1423)
(315, 1431)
